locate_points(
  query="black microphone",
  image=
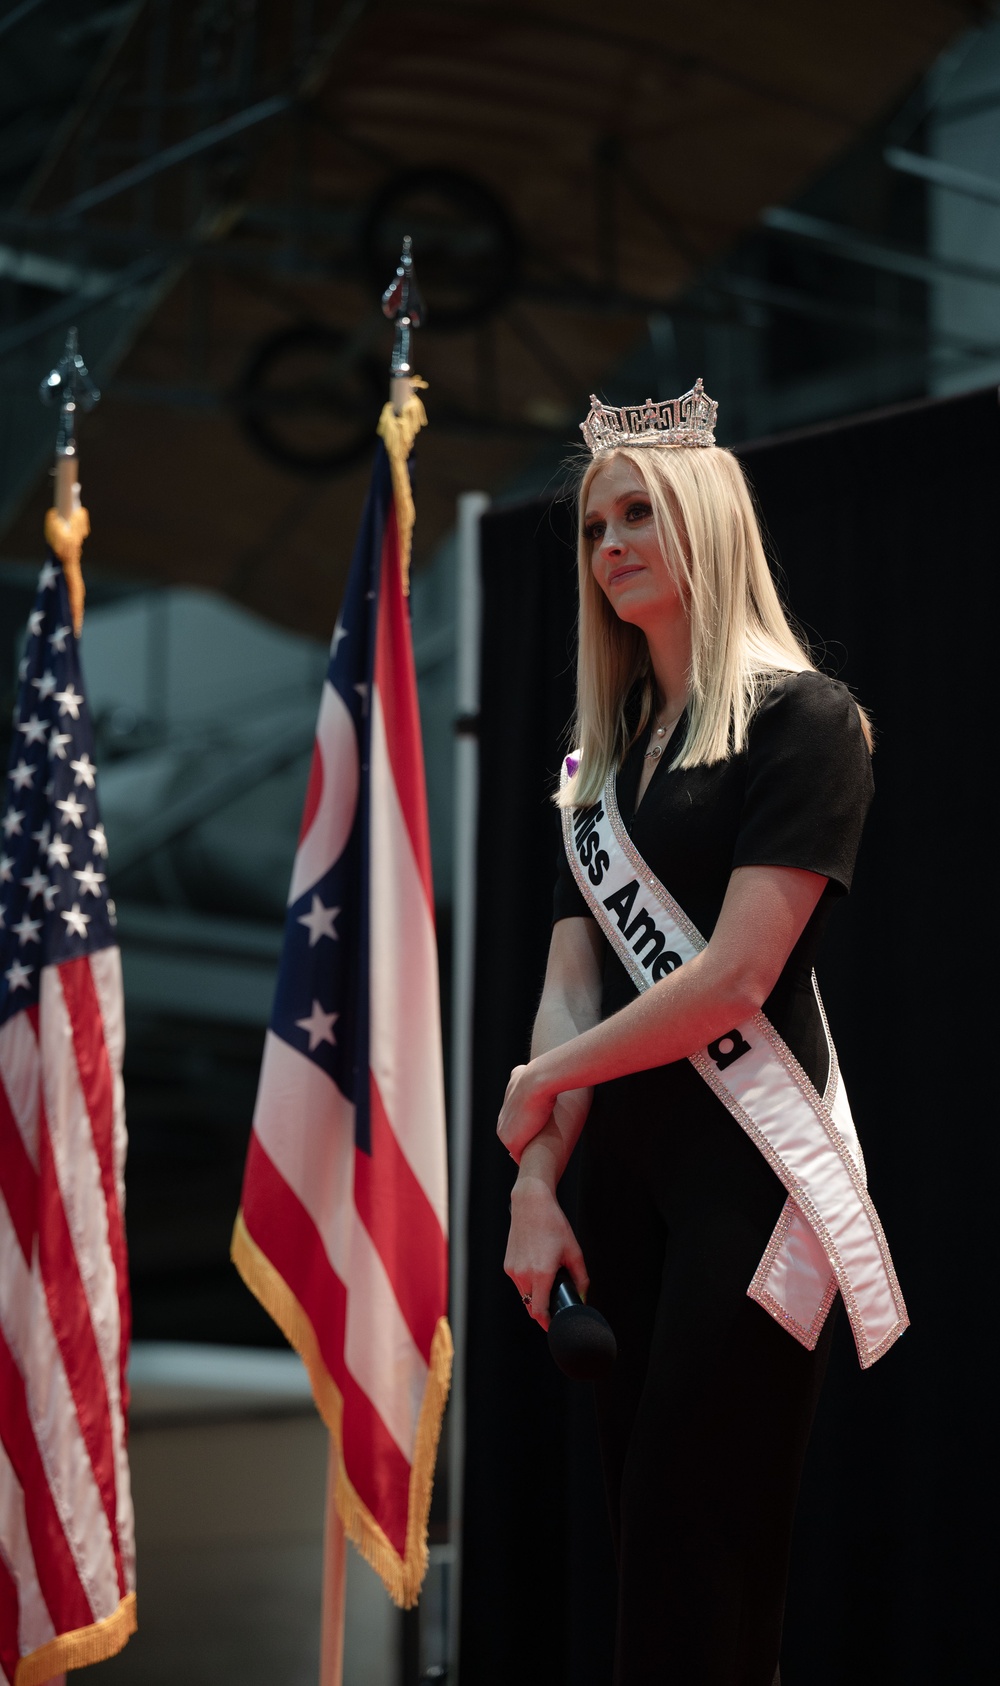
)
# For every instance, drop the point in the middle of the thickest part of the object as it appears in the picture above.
(580, 1339)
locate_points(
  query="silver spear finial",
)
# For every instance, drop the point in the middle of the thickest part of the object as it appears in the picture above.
(69, 385)
(403, 305)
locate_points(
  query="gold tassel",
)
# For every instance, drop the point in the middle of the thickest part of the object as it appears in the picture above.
(84, 1645)
(402, 1577)
(398, 434)
(65, 540)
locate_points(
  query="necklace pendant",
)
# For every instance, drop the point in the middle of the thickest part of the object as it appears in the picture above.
(652, 753)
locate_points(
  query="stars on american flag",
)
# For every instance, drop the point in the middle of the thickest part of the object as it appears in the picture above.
(54, 903)
(34, 730)
(89, 880)
(73, 810)
(69, 702)
(76, 920)
(58, 851)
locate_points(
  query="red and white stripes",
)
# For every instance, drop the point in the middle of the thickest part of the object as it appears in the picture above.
(347, 1245)
(67, 1549)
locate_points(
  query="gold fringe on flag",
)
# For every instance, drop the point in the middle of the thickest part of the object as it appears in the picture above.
(398, 434)
(65, 540)
(401, 1576)
(93, 1644)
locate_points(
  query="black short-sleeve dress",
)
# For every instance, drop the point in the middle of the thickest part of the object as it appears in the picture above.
(704, 1422)
(796, 796)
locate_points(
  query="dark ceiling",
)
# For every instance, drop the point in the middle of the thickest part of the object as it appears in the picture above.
(219, 192)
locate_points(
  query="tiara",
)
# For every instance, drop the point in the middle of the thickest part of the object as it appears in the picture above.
(688, 420)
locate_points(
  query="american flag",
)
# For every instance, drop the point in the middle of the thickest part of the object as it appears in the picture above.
(67, 1560)
(342, 1232)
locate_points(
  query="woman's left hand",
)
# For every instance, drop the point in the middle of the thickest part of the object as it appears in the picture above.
(527, 1108)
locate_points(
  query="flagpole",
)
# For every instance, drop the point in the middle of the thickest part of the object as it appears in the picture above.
(471, 507)
(331, 1660)
(402, 304)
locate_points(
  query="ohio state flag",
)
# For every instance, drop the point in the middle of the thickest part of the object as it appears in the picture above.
(342, 1231)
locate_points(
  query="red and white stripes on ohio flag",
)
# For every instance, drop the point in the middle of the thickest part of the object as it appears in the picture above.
(342, 1232)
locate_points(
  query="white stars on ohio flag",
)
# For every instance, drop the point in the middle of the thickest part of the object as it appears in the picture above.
(319, 921)
(319, 1026)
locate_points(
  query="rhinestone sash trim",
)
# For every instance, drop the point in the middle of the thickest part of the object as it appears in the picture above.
(829, 1235)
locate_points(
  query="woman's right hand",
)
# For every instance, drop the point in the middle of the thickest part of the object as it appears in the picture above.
(540, 1241)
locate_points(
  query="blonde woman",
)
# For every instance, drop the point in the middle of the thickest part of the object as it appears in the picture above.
(738, 778)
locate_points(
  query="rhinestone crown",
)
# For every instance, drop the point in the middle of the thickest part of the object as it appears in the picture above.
(688, 420)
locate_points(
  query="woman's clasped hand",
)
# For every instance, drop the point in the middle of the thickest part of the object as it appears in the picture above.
(541, 1241)
(527, 1108)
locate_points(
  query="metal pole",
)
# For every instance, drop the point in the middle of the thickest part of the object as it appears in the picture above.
(942, 174)
(69, 385)
(403, 305)
(471, 506)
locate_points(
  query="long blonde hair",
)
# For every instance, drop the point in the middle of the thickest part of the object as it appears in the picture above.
(741, 639)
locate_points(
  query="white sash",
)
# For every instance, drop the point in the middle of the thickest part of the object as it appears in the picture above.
(828, 1236)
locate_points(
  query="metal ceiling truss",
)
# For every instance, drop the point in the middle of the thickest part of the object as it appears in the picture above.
(175, 197)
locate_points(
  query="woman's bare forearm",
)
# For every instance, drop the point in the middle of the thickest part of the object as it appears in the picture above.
(765, 912)
(546, 1157)
(540, 1238)
(678, 1015)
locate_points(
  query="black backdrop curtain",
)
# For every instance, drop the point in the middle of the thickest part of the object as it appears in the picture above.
(887, 531)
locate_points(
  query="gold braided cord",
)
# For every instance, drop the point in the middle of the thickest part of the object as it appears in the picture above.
(398, 433)
(401, 1576)
(65, 540)
(93, 1644)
